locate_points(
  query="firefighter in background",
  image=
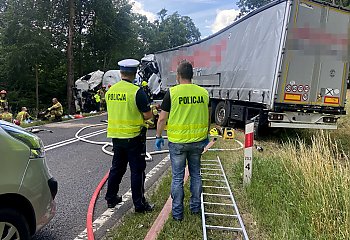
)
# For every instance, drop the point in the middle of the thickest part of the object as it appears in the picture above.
(23, 116)
(97, 98)
(102, 92)
(6, 115)
(55, 112)
(3, 101)
(147, 90)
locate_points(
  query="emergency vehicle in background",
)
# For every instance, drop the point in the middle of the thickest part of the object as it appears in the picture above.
(286, 63)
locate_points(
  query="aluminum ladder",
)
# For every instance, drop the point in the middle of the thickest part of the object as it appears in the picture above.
(218, 204)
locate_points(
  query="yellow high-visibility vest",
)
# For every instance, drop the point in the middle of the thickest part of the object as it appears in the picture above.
(21, 116)
(188, 117)
(3, 103)
(6, 116)
(124, 118)
(97, 98)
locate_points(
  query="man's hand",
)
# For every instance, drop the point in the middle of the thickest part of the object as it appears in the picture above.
(159, 143)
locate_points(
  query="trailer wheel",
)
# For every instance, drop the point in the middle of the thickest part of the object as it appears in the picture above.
(222, 112)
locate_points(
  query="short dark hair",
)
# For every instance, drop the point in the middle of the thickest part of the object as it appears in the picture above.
(185, 70)
(128, 74)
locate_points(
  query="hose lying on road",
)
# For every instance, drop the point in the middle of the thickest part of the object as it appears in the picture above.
(109, 144)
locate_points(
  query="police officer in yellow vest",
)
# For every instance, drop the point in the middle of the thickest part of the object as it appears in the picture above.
(127, 108)
(186, 107)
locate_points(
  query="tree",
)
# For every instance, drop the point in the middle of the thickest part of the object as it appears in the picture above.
(173, 30)
(249, 5)
(26, 49)
(70, 58)
(38, 48)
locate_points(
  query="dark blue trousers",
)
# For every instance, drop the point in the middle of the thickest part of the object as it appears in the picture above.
(130, 151)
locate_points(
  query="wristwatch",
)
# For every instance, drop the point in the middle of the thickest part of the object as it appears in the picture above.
(158, 137)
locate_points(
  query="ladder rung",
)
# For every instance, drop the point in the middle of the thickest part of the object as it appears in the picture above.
(209, 161)
(211, 169)
(215, 203)
(210, 164)
(215, 187)
(224, 228)
(215, 194)
(213, 180)
(221, 214)
(211, 174)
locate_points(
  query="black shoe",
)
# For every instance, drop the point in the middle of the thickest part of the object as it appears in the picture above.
(146, 208)
(112, 203)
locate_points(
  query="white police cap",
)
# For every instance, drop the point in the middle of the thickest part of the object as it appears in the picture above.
(128, 65)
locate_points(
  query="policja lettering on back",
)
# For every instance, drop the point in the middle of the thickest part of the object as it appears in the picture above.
(191, 100)
(128, 108)
(121, 97)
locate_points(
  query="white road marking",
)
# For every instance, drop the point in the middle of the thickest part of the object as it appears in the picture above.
(100, 221)
(73, 140)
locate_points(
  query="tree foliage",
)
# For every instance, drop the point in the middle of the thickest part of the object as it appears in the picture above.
(173, 30)
(34, 35)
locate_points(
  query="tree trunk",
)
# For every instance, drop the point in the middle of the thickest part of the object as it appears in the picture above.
(70, 59)
(80, 48)
(37, 89)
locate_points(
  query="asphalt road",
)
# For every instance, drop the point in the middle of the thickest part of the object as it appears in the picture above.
(79, 167)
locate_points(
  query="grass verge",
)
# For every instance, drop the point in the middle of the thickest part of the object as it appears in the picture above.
(302, 191)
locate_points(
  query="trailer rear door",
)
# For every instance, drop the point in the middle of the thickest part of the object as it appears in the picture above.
(315, 65)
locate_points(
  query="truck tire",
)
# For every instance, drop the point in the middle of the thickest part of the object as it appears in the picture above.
(222, 112)
(13, 225)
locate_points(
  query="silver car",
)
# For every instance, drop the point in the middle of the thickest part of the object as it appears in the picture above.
(27, 189)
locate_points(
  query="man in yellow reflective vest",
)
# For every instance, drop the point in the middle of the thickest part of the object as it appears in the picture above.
(186, 108)
(127, 108)
(23, 116)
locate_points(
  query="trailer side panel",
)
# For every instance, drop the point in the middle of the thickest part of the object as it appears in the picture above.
(239, 63)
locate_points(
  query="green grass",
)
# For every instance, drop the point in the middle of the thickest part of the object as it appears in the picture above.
(302, 192)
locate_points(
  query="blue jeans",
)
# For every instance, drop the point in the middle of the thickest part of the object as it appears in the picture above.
(179, 152)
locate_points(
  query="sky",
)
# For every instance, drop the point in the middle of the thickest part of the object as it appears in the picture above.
(208, 15)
